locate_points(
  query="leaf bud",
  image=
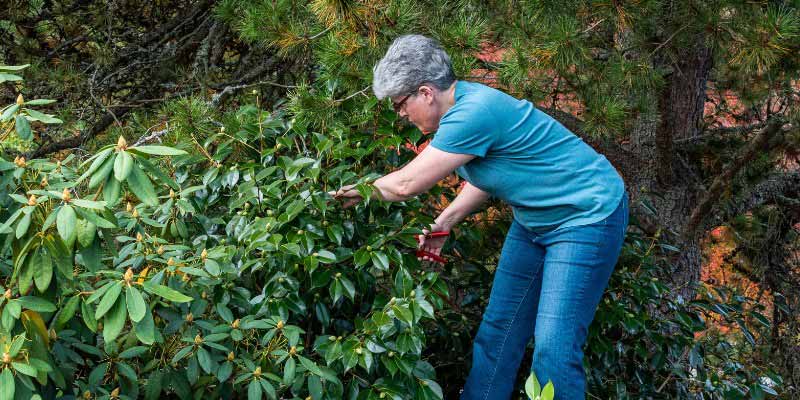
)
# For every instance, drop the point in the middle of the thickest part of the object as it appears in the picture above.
(32, 200)
(293, 350)
(121, 143)
(44, 182)
(279, 325)
(235, 324)
(204, 254)
(20, 100)
(171, 261)
(139, 237)
(66, 196)
(231, 356)
(160, 250)
(198, 339)
(189, 317)
(257, 372)
(129, 207)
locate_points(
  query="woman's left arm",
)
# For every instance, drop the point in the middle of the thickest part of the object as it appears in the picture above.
(430, 166)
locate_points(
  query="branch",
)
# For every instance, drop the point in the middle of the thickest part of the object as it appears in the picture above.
(762, 142)
(229, 90)
(782, 189)
(151, 137)
(719, 133)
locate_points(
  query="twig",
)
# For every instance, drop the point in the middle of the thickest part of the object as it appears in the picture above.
(353, 95)
(228, 90)
(667, 41)
(153, 136)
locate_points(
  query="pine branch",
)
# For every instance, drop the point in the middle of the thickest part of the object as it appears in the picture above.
(764, 141)
(719, 133)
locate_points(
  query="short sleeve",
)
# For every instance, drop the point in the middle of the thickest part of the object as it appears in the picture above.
(468, 129)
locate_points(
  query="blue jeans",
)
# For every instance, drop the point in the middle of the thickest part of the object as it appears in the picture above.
(548, 286)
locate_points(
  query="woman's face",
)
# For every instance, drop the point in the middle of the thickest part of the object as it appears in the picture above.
(421, 108)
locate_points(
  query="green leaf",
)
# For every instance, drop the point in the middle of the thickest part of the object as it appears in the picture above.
(141, 186)
(94, 218)
(549, 391)
(136, 304)
(13, 67)
(86, 232)
(254, 390)
(224, 371)
(111, 191)
(16, 345)
(9, 77)
(102, 173)
(39, 102)
(5, 228)
(146, 329)
(380, 260)
(532, 387)
(42, 264)
(26, 369)
(205, 360)
(40, 116)
(23, 225)
(88, 317)
(95, 205)
(65, 223)
(23, 128)
(26, 275)
(108, 300)
(315, 387)
(67, 312)
(348, 287)
(9, 112)
(36, 304)
(159, 150)
(288, 371)
(166, 292)
(122, 165)
(114, 321)
(97, 161)
(7, 385)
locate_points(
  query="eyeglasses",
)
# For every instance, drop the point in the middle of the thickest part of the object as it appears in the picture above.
(399, 105)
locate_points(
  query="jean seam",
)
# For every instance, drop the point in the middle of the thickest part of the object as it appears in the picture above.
(508, 326)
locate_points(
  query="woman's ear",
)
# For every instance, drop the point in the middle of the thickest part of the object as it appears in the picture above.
(427, 92)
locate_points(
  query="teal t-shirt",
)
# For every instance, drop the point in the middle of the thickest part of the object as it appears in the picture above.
(551, 178)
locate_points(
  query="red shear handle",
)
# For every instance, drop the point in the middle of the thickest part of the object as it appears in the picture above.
(435, 234)
(434, 257)
(422, 253)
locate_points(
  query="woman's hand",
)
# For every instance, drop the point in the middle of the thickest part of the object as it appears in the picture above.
(348, 195)
(431, 244)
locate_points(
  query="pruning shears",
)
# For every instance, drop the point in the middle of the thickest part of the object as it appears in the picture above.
(434, 257)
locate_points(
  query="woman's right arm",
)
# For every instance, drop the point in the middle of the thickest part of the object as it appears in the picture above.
(467, 201)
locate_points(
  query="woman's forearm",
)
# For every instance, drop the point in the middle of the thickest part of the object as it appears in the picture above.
(390, 188)
(464, 204)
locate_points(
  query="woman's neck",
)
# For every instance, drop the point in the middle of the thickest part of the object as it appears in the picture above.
(447, 99)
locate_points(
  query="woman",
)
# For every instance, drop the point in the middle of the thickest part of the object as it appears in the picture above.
(569, 204)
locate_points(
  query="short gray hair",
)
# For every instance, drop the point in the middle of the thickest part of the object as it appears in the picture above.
(410, 62)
